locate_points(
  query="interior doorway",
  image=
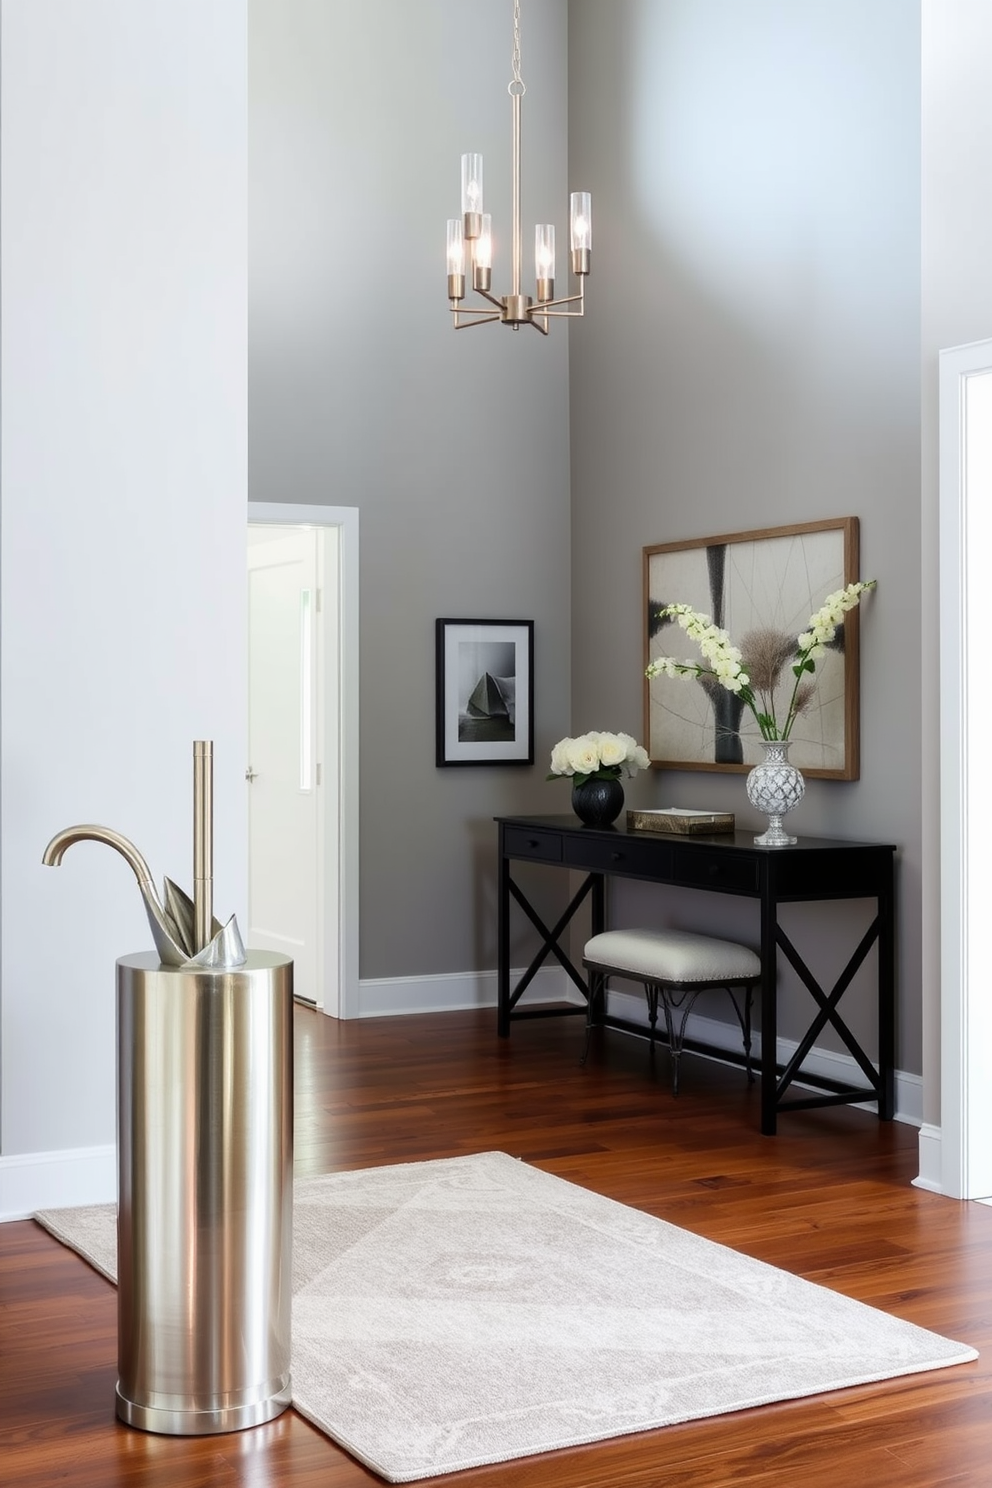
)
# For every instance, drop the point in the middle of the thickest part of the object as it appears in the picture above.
(303, 746)
(292, 577)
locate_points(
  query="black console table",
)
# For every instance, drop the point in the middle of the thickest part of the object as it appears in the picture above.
(815, 869)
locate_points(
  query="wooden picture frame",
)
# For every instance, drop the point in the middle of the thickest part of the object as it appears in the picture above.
(484, 684)
(770, 580)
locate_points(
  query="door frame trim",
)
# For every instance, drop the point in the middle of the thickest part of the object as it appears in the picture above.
(965, 1015)
(345, 831)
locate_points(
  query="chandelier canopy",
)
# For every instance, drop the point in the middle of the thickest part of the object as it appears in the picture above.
(470, 243)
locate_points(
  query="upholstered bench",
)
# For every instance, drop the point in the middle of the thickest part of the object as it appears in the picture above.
(674, 967)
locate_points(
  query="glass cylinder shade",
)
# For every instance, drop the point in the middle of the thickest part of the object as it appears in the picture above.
(456, 259)
(580, 220)
(456, 246)
(544, 250)
(482, 251)
(471, 183)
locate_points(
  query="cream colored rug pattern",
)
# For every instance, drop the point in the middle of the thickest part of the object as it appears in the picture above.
(471, 1310)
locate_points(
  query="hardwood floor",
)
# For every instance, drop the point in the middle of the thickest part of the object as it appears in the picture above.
(829, 1198)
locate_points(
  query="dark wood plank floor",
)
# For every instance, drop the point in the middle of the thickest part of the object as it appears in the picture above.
(830, 1199)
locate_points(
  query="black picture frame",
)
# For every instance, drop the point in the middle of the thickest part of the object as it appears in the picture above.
(484, 680)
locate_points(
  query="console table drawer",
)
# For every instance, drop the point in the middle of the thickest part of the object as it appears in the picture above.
(544, 847)
(644, 859)
(716, 871)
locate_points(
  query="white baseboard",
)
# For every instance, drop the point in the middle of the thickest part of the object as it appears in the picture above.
(456, 991)
(931, 1175)
(931, 1169)
(57, 1180)
(632, 1008)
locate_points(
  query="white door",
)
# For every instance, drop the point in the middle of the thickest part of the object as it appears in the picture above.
(284, 873)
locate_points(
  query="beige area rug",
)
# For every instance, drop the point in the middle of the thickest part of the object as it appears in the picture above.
(475, 1309)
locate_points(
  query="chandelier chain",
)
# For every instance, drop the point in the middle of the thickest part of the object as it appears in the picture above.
(516, 85)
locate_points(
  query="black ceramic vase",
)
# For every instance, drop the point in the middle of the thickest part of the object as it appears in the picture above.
(598, 803)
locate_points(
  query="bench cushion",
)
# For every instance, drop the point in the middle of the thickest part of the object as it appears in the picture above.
(672, 955)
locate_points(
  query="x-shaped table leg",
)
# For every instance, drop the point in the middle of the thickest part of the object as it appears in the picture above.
(828, 1013)
(551, 942)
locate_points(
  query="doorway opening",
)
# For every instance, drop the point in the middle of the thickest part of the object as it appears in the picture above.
(302, 771)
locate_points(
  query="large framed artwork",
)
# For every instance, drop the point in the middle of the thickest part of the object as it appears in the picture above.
(485, 692)
(761, 587)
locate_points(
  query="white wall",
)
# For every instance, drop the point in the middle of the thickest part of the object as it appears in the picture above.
(956, 310)
(124, 482)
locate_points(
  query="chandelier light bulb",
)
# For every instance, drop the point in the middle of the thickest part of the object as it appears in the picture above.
(580, 231)
(581, 219)
(472, 194)
(544, 250)
(456, 247)
(482, 250)
(482, 256)
(544, 260)
(456, 259)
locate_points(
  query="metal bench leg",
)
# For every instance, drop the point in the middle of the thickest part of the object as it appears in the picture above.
(597, 994)
(651, 991)
(676, 1002)
(748, 1001)
(744, 1019)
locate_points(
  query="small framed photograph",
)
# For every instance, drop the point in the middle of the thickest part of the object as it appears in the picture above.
(485, 692)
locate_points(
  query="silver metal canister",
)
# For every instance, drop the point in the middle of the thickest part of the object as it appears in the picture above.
(205, 1152)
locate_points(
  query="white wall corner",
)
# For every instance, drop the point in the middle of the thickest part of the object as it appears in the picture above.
(931, 1170)
(965, 423)
(57, 1180)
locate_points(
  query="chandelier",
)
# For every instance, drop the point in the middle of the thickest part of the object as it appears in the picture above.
(470, 243)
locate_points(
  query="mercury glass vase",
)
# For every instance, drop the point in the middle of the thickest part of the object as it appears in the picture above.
(775, 787)
(597, 803)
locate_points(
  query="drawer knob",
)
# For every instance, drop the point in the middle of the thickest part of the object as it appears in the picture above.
(533, 843)
(616, 857)
(714, 869)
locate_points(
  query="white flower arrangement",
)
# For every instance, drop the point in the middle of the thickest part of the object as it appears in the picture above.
(753, 673)
(597, 756)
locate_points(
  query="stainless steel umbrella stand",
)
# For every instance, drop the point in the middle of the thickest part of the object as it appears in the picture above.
(205, 1158)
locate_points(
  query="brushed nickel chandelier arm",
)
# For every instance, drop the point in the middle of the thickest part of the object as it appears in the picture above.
(492, 300)
(482, 318)
(547, 308)
(470, 242)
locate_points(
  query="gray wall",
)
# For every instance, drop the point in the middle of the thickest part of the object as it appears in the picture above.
(453, 446)
(750, 360)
